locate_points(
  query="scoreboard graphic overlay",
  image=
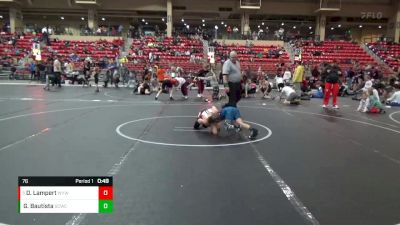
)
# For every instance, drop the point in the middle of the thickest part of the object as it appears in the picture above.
(65, 194)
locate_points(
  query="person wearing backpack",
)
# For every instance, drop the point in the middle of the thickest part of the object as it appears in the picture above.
(331, 85)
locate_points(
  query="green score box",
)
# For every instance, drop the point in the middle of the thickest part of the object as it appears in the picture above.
(105, 206)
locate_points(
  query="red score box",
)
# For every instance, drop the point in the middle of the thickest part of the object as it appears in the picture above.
(105, 193)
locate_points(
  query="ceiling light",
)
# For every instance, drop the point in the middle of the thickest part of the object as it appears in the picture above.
(104, 19)
(147, 23)
(203, 20)
(332, 28)
(163, 19)
(283, 24)
(62, 17)
(262, 23)
(222, 22)
(340, 25)
(143, 20)
(294, 27)
(310, 28)
(226, 25)
(216, 27)
(1, 16)
(360, 26)
(182, 20)
(83, 18)
(204, 25)
(380, 27)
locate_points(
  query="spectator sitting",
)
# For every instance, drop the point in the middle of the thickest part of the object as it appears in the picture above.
(287, 75)
(367, 84)
(317, 53)
(388, 89)
(373, 104)
(86, 51)
(394, 100)
(317, 93)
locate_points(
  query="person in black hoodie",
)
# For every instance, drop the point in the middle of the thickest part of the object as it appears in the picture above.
(332, 73)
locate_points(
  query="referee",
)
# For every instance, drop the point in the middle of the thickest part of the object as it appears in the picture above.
(232, 77)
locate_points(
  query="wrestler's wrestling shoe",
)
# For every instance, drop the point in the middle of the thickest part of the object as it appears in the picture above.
(228, 126)
(196, 125)
(253, 133)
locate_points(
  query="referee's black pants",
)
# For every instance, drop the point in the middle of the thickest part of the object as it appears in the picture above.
(235, 91)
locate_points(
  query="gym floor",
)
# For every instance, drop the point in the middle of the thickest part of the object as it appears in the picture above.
(308, 165)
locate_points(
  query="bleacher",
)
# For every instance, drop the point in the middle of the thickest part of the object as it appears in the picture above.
(388, 52)
(344, 53)
(340, 51)
(166, 55)
(248, 57)
(82, 49)
(24, 44)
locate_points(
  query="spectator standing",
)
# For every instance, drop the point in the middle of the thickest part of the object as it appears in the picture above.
(298, 77)
(32, 69)
(232, 77)
(349, 77)
(331, 85)
(120, 29)
(200, 82)
(13, 70)
(315, 73)
(86, 68)
(57, 72)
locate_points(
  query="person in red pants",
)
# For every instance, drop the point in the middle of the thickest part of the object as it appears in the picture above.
(200, 82)
(183, 85)
(331, 85)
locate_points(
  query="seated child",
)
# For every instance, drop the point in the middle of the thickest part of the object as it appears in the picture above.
(362, 107)
(265, 87)
(144, 88)
(394, 100)
(373, 104)
(291, 96)
(317, 93)
(250, 88)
